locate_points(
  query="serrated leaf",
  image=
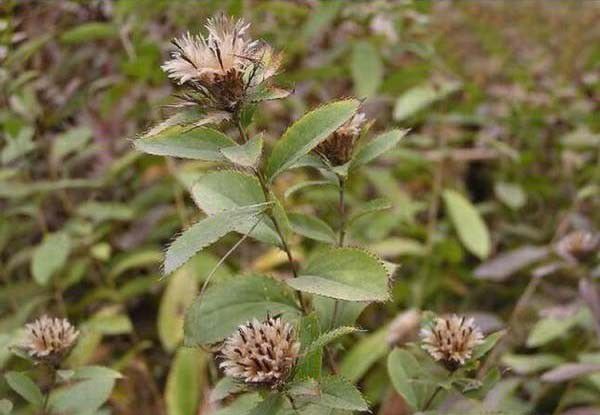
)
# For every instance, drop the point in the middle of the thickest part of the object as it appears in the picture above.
(25, 387)
(307, 132)
(339, 393)
(207, 231)
(50, 256)
(346, 274)
(376, 147)
(309, 364)
(222, 190)
(366, 68)
(330, 336)
(227, 304)
(200, 143)
(419, 97)
(185, 381)
(247, 154)
(467, 221)
(312, 227)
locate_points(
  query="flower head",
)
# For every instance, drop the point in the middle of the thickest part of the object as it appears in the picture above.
(223, 66)
(577, 245)
(338, 147)
(451, 340)
(261, 352)
(404, 327)
(49, 339)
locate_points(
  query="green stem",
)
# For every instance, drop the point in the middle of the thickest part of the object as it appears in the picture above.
(267, 193)
(45, 408)
(431, 398)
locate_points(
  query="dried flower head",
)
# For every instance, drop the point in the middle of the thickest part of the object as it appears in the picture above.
(404, 327)
(223, 66)
(338, 147)
(261, 352)
(577, 245)
(451, 340)
(49, 339)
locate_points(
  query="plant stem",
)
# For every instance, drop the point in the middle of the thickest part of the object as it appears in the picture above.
(45, 410)
(431, 398)
(267, 193)
(342, 211)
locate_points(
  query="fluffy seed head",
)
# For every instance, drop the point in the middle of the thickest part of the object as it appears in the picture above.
(451, 340)
(261, 352)
(404, 327)
(49, 339)
(577, 245)
(338, 147)
(223, 65)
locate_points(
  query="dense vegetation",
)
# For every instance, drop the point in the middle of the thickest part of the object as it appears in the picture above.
(472, 188)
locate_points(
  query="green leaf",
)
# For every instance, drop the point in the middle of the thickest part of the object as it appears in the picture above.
(320, 19)
(6, 406)
(178, 296)
(90, 31)
(471, 229)
(364, 354)
(302, 185)
(95, 372)
(185, 381)
(346, 274)
(410, 379)
(309, 363)
(488, 344)
(420, 97)
(25, 387)
(242, 405)
(103, 211)
(270, 406)
(526, 364)
(346, 315)
(326, 338)
(247, 154)
(226, 305)
(338, 393)
(200, 143)
(550, 328)
(366, 68)
(312, 227)
(83, 397)
(50, 256)
(73, 140)
(511, 194)
(377, 146)
(207, 231)
(225, 387)
(306, 133)
(372, 206)
(228, 189)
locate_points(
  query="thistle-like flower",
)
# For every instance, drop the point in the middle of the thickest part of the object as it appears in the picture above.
(451, 340)
(221, 68)
(261, 353)
(49, 339)
(337, 148)
(577, 245)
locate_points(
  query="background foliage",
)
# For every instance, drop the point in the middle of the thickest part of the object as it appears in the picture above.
(503, 159)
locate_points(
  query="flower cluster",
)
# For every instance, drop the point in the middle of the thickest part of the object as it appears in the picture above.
(261, 352)
(49, 339)
(451, 340)
(222, 68)
(338, 147)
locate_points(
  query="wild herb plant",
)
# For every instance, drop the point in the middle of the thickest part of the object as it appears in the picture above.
(271, 333)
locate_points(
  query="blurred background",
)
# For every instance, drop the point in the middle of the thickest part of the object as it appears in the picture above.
(502, 99)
